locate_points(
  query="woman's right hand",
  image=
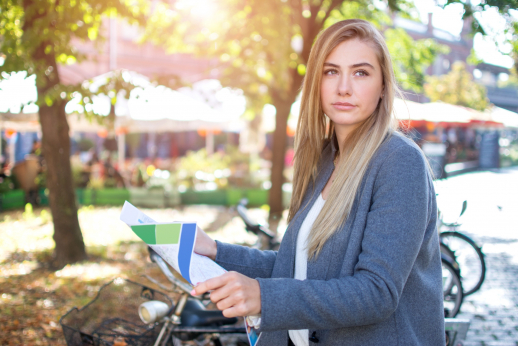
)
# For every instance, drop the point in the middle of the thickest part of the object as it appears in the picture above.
(205, 245)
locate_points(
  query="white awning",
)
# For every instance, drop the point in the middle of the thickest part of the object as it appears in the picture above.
(433, 112)
(504, 116)
(150, 108)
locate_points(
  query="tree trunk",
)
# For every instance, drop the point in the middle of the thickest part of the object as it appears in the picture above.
(283, 107)
(310, 29)
(70, 247)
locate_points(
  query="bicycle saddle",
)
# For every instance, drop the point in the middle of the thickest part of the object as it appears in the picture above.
(195, 314)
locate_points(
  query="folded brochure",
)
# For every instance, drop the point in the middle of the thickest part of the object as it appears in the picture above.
(174, 242)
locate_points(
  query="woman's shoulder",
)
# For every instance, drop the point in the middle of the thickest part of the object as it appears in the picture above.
(398, 147)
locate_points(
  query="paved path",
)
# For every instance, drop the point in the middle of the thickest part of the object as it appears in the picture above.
(492, 220)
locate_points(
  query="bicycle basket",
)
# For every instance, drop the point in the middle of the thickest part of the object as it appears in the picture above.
(113, 315)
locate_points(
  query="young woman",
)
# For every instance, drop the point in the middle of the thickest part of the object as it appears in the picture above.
(359, 263)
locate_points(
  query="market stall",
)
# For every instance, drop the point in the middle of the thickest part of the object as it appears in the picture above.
(205, 106)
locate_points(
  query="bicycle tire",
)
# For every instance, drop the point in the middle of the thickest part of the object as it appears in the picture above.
(446, 251)
(470, 258)
(452, 289)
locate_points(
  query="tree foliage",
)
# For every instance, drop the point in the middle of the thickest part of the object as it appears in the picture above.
(512, 32)
(458, 88)
(509, 44)
(271, 47)
(36, 36)
(411, 57)
(26, 24)
(29, 25)
(262, 47)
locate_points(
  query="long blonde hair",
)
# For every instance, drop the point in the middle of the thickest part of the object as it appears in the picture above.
(315, 130)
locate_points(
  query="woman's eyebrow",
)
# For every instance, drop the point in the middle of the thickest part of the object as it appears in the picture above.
(331, 64)
(350, 66)
(362, 64)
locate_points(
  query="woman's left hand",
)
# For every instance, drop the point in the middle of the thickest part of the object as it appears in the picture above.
(233, 293)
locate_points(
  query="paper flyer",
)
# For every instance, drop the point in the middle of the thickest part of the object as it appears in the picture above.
(174, 242)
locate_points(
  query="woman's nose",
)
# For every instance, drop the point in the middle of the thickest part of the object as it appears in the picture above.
(344, 86)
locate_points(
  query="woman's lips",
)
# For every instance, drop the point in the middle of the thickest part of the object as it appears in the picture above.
(343, 106)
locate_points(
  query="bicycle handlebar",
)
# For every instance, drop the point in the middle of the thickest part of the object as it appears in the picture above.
(250, 226)
(241, 210)
(168, 274)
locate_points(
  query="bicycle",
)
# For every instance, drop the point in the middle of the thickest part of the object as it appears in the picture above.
(453, 294)
(163, 320)
(464, 251)
(266, 239)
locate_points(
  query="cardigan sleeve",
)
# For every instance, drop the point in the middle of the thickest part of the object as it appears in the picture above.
(394, 230)
(247, 261)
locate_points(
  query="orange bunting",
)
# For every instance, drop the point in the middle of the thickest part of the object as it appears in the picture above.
(123, 130)
(204, 132)
(10, 132)
(103, 133)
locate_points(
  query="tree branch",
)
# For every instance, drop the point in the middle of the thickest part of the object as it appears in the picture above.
(334, 4)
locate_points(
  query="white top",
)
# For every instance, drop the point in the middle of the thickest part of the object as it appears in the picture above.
(301, 337)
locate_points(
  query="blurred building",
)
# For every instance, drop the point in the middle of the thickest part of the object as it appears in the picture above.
(460, 48)
(121, 51)
(490, 76)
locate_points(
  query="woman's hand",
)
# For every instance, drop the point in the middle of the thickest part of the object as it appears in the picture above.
(233, 293)
(205, 245)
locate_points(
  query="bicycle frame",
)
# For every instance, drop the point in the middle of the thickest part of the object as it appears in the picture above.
(454, 225)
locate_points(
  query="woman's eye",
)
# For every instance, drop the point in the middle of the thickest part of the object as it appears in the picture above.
(361, 73)
(330, 72)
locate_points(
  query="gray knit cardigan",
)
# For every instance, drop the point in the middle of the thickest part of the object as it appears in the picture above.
(377, 281)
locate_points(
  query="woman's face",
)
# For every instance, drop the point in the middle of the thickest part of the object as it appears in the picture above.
(352, 84)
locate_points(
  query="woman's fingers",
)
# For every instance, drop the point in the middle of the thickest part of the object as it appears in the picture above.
(233, 293)
(209, 285)
(225, 291)
(226, 303)
(235, 311)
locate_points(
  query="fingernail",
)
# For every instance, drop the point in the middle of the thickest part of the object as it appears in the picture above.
(193, 292)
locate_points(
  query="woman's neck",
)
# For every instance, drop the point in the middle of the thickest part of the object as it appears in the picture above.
(341, 135)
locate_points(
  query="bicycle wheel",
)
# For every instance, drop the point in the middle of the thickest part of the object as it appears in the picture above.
(452, 289)
(470, 258)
